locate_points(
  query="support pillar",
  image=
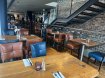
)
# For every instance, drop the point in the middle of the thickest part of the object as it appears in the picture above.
(3, 17)
(31, 26)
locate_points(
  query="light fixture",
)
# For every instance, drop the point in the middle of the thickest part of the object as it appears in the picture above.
(54, 4)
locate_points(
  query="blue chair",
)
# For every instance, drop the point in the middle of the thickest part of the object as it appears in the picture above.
(13, 41)
(8, 41)
(3, 42)
(38, 49)
(10, 32)
(98, 56)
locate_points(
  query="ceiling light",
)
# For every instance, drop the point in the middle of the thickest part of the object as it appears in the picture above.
(54, 4)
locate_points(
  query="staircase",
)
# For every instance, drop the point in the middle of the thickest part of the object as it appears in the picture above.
(89, 10)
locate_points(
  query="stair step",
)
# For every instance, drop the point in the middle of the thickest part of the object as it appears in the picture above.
(100, 4)
(88, 14)
(84, 13)
(61, 20)
(58, 23)
(97, 7)
(94, 9)
(83, 17)
(75, 22)
(79, 20)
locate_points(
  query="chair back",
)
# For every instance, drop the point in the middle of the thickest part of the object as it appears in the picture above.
(38, 49)
(49, 31)
(8, 41)
(3, 41)
(32, 41)
(24, 31)
(10, 32)
(13, 41)
(11, 50)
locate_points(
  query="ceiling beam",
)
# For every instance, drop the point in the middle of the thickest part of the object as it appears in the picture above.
(12, 1)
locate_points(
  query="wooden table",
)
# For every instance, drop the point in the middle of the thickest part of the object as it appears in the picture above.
(84, 43)
(27, 37)
(68, 65)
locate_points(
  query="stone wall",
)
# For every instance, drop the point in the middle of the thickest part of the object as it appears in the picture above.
(93, 29)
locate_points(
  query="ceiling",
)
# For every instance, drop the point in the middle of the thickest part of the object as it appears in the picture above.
(28, 5)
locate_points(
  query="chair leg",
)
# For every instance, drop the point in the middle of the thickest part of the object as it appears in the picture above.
(88, 60)
(21, 57)
(71, 51)
(100, 65)
(78, 54)
(54, 44)
(95, 61)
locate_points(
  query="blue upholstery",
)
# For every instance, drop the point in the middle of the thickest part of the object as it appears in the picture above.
(10, 32)
(3, 42)
(97, 56)
(13, 41)
(8, 41)
(38, 49)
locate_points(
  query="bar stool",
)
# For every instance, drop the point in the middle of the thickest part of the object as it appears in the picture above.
(98, 56)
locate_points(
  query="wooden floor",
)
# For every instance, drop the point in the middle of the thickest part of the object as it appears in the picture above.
(51, 51)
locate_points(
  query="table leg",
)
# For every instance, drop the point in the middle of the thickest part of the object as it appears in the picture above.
(83, 47)
(54, 35)
(54, 42)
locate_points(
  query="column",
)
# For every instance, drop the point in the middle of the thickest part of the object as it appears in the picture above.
(3, 17)
(31, 26)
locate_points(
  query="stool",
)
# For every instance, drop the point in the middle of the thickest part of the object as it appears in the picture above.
(98, 56)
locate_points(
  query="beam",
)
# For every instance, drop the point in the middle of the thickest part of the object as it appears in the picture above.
(10, 4)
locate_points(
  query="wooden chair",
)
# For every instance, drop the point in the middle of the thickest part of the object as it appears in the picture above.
(59, 41)
(24, 31)
(27, 48)
(73, 47)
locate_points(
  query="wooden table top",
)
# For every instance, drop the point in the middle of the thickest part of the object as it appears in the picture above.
(85, 42)
(27, 37)
(68, 65)
(57, 33)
